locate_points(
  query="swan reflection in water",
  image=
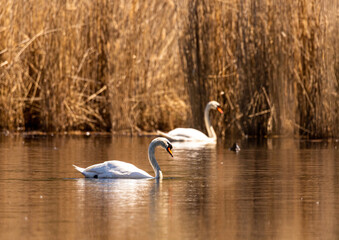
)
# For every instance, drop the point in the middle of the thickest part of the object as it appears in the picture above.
(193, 146)
(126, 203)
(116, 192)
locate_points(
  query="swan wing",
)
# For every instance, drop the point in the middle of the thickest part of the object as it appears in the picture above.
(126, 170)
(114, 169)
(169, 137)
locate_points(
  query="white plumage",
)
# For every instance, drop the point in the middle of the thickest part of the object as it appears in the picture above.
(119, 169)
(113, 169)
(191, 134)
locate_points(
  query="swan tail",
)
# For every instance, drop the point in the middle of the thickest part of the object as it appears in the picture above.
(87, 174)
(79, 169)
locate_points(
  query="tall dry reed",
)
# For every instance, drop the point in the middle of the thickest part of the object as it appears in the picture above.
(146, 65)
(89, 65)
(271, 63)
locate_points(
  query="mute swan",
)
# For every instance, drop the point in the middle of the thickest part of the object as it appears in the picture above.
(190, 134)
(118, 169)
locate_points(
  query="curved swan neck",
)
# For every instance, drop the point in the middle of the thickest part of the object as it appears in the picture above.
(210, 130)
(152, 160)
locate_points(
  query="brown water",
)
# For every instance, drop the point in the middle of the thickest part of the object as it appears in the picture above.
(276, 189)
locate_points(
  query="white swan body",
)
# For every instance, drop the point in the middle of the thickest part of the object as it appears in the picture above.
(119, 169)
(186, 134)
(191, 134)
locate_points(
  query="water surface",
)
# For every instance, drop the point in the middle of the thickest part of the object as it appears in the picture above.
(274, 189)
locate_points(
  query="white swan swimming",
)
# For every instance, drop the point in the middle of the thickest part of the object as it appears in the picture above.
(191, 134)
(119, 169)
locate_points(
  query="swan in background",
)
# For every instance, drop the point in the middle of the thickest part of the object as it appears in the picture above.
(119, 169)
(191, 134)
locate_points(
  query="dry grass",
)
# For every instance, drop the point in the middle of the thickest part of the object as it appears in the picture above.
(146, 65)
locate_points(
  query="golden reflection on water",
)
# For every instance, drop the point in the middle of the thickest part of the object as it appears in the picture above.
(277, 189)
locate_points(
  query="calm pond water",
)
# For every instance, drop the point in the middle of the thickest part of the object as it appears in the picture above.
(274, 189)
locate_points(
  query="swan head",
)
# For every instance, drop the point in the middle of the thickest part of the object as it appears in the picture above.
(165, 144)
(215, 105)
(169, 148)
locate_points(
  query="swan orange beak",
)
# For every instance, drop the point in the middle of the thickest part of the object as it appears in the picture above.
(220, 110)
(169, 151)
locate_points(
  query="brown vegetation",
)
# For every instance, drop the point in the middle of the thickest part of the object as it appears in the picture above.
(146, 65)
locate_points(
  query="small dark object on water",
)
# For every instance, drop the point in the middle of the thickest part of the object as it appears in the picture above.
(235, 147)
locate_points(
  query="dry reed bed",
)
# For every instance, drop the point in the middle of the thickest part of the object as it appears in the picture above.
(273, 65)
(146, 65)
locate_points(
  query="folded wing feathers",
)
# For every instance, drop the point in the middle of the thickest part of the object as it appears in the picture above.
(114, 169)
